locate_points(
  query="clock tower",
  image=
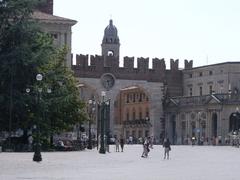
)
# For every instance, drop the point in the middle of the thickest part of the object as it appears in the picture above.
(110, 42)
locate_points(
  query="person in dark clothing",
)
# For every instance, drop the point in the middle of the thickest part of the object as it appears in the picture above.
(145, 148)
(167, 148)
(122, 143)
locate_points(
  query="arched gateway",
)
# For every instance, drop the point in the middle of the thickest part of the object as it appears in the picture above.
(104, 74)
(117, 122)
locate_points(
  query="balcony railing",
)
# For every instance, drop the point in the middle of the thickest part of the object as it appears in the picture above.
(205, 99)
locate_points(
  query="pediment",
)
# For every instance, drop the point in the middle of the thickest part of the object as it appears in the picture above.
(213, 100)
(172, 102)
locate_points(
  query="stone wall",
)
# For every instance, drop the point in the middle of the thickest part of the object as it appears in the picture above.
(152, 81)
(157, 73)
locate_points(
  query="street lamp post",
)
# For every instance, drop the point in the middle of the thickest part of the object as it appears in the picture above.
(37, 150)
(102, 119)
(91, 111)
(104, 123)
(98, 122)
(107, 120)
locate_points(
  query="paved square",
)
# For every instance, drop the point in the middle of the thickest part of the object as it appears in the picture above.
(186, 163)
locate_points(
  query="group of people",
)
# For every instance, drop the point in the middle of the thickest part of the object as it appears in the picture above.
(147, 144)
(119, 143)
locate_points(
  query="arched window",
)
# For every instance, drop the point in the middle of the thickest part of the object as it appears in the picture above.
(234, 122)
(127, 98)
(200, 91)
(131, 97)
(110, 53)
(140, 98)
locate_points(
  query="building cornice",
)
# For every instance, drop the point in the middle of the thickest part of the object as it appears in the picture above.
(52, 19)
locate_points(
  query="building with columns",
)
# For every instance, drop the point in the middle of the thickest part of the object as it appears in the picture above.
(208, 108)
(58, 27)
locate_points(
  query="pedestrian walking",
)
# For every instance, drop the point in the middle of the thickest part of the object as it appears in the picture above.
(167, 148)
(146, 149)
(122, 143)
(117, 143)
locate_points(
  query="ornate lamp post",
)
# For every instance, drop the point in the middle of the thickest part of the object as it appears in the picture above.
(107, 126)
(102, 119)
(37, 149)
(91, 111)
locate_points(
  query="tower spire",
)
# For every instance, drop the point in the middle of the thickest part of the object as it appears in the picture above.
(110, 42)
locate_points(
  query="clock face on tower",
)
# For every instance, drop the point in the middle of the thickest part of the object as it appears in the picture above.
(108, 81)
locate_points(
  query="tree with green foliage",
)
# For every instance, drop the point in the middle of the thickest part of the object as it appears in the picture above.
(62, 107)
(25, 51)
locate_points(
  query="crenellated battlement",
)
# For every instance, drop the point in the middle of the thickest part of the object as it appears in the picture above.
(128, 62)
(82, 60)
(158, 64)
(110, 64)
(188, 64)
(174, 64)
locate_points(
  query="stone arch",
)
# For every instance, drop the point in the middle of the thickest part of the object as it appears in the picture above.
(151, 89)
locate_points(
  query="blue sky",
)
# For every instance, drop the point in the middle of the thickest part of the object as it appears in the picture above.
(206, 31)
